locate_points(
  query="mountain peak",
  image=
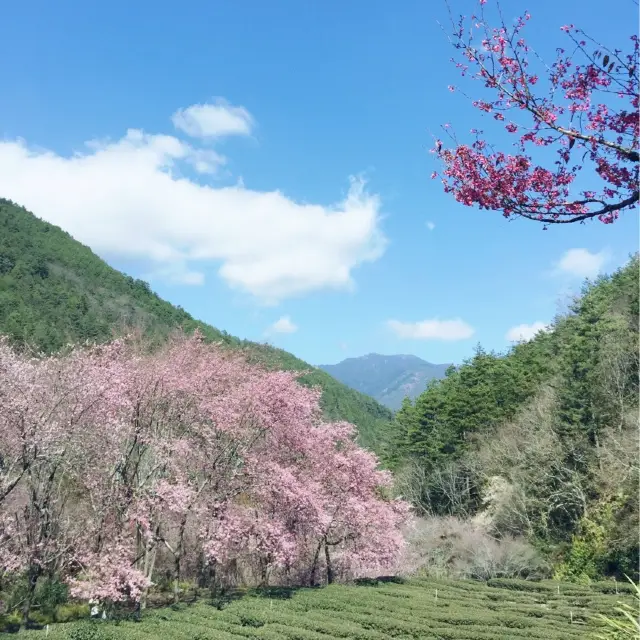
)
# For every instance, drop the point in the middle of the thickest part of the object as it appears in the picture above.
(388, 378)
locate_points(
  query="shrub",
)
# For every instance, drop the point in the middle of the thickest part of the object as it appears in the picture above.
(50, 593)
(10, 622)
(251, 621)
(451, 547)
(613, 586)
(40, 618)
(516, 585)
(72, 611)
(88, 631)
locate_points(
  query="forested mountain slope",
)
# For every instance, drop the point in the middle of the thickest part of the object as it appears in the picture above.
(541, 442)
(54, 290)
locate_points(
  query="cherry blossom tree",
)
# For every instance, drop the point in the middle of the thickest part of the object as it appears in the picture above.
(583, 108)
(47, 406)
(119, 464)
(177, 443)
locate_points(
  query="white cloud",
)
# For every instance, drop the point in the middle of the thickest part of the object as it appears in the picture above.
(205, 160)
(581, 263)
(283, 325)
(213, 120)
(176, 274)
(131, 199)
(525, 332)
(432, 329)
(431, 226)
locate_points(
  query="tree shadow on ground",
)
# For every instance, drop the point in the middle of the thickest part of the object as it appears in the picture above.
(222, 599)
(380, 580)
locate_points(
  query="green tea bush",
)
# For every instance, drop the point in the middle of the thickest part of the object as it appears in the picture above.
(626, 625)
(519, 585)
(90, 631)
(611, 586)
(377, 610)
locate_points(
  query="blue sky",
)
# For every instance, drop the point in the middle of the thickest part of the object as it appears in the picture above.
(243, 211)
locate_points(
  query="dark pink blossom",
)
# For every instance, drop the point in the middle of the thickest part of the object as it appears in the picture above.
(576, 116)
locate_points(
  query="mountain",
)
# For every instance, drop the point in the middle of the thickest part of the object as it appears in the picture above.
(389, 379)
(541, 442)
(54, 290)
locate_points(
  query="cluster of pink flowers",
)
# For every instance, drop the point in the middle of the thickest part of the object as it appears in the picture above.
(588, 114)
(118, 463)
(109, 576)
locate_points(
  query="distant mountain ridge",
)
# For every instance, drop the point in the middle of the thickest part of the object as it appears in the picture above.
(388, 379)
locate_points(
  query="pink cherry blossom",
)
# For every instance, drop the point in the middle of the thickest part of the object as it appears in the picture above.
(119, 464)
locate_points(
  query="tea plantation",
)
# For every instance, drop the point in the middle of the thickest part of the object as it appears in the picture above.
(373, 610)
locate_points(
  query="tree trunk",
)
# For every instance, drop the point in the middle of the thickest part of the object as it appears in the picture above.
(32, 581)
(327, 557)
(203, 570)
(152, 561)
(212, 570)
(178, 558)
(598, 452)
(264, 574)
(314, 566)
(176, 577)
(140, 556)
(151, 551)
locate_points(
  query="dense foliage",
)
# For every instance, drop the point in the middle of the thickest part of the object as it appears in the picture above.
(120, 465)
(375, 610)
(55, 291)
(541, 442)
(583, 106)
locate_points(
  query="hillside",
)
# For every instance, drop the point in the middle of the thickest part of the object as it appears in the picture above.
(388, 379)
(541, 442)
(54, 290)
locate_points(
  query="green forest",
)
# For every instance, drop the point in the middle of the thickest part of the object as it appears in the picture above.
(541, 441)
(55, 291)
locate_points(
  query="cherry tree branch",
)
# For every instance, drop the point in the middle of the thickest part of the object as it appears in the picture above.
(606, 135)
(607, 209)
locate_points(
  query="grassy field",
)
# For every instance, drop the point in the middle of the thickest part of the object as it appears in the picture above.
(502, 609)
